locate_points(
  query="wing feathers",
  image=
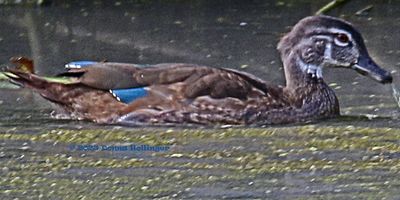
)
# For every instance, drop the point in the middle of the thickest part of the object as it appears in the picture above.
(196, 80)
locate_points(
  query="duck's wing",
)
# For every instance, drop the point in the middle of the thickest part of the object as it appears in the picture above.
(193, 80)
(177, 93)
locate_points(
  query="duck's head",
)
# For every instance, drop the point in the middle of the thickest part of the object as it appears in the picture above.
(321, 41)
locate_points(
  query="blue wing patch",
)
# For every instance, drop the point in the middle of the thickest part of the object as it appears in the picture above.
(79, 64)
(129, 95)
(124, 95)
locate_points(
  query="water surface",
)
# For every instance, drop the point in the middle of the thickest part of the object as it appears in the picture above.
(355, 155)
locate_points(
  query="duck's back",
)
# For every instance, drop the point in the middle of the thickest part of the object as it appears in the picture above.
(168, 93)
(179, 93)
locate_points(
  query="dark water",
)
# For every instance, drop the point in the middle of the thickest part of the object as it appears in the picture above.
(341, 158)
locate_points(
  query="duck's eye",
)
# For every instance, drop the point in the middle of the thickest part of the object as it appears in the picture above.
(342, 39)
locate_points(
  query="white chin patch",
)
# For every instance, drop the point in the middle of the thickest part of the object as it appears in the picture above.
(314, 70)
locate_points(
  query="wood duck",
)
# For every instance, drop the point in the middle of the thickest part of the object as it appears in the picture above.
(120, 93)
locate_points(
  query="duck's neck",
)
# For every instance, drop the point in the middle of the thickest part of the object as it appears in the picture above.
(296, 73)
(308, 97)
(306, 89)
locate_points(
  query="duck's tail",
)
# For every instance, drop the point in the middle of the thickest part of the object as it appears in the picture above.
(45, 88)
(23, 74)
(25, 79)
(78, 100)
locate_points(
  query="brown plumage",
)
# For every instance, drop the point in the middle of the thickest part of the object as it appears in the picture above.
(188, 93)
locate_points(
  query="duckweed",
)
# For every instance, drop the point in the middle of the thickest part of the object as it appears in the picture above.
(329, 161)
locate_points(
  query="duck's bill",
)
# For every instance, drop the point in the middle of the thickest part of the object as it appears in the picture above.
(367, 67)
